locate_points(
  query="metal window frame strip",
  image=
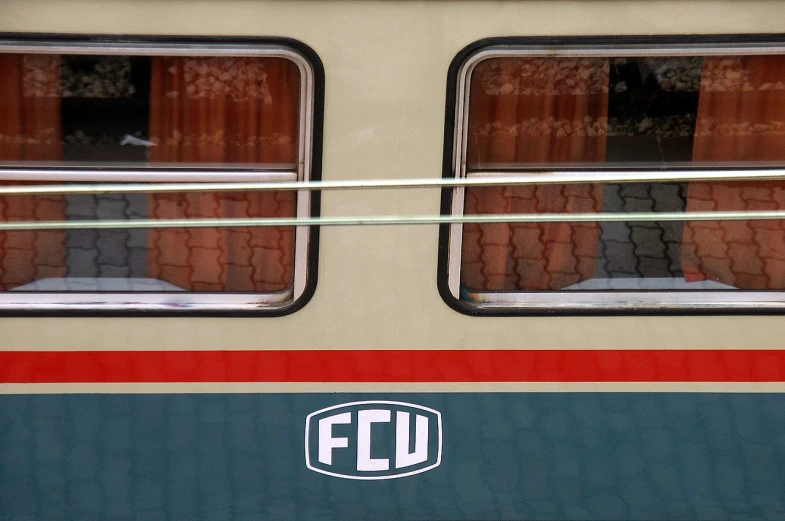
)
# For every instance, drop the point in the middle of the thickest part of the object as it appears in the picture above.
(270, 180)
(386, 220)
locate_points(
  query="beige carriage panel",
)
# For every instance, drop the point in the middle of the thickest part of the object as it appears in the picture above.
(386, 66)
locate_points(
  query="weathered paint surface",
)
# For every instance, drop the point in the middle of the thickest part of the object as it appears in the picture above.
(391, 366)
(386, 73)
(507, 456)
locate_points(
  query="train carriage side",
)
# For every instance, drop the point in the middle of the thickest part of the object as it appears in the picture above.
(403, 260)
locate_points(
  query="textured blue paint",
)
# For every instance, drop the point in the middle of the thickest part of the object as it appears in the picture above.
(506, 456)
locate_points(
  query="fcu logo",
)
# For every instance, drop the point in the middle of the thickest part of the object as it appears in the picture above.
(373, 440)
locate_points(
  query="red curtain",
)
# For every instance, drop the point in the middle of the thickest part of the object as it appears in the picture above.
(30, 130)
(224, 111)
(741, 118)
(529, 111)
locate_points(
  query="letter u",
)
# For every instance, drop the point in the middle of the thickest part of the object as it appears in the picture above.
(404, 458)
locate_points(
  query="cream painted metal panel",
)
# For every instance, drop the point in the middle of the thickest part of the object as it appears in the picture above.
(386, 65)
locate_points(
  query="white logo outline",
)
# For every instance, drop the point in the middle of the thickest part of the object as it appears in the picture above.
(373, 402)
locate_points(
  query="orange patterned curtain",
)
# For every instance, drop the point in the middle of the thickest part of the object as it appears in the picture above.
(528, 111)
(30, 130)
(741, 118)
(224, 111)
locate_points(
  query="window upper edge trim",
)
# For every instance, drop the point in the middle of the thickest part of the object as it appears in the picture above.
(308, 168)
(556, 303)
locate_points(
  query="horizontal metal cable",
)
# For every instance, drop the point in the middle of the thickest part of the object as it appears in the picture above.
(394, 220)
(59, 174)
(495, 178)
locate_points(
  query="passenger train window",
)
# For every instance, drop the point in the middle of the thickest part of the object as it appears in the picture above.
(639, 143)
(112, 133)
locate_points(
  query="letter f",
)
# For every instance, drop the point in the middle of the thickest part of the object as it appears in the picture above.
(326, 441)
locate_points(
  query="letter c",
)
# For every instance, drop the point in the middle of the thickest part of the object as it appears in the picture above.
(364, 420)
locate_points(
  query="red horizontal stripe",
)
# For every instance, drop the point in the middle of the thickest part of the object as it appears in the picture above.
(393, 366)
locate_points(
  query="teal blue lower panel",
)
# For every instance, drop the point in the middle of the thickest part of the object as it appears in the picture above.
(505, 456)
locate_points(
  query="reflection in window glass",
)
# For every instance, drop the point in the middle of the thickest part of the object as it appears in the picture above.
(149, 111)
(137, 109)
(637, 112)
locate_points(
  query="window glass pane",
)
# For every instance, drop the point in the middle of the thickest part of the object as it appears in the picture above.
(638, 112)
(666, 111)
(224, 110)
(195, 259)
(538, 110)
(132, 109)
(157, 112)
